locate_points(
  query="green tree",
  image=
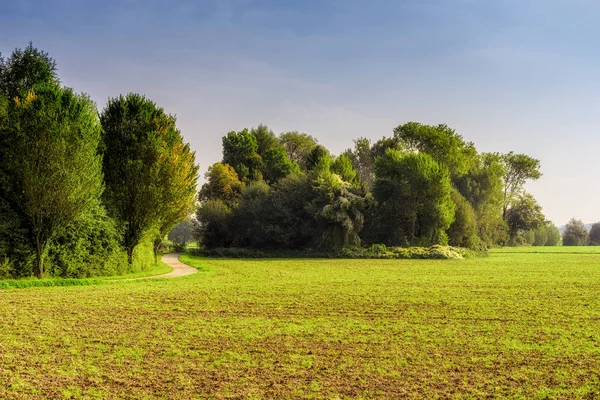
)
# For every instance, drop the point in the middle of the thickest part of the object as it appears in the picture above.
(413, 192)
(575, 233)
(483, 188)
(524, 215)
(24, 69)
(222, 183)
(463, 230)
(317, 154)
(554, 238)
(343, 167)
(240, 150)
(441, 142)
(51, 171)
(137, 145)
(182, 234)
(265, 139)
(518, 169)
(298, 146)
(594, 236)
(214, 221)
(277, 165)
(178, 177)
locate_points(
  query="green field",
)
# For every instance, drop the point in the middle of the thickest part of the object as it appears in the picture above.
(521, 323)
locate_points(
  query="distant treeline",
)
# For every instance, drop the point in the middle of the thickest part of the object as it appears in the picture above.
(79, 190)
(423, 186)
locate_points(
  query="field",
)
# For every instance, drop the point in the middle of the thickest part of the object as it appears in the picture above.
(521, 323)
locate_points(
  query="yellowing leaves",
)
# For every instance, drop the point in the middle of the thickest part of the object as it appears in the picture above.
(26, 102)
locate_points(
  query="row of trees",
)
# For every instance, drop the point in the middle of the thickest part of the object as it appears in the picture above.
(424, 185)
(576, 234)
(79, 190)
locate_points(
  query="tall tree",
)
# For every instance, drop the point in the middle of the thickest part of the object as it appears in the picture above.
(178, 177)
(265, 139)
(413, 192)
(136, 154)
(518, 169)
(51, 170)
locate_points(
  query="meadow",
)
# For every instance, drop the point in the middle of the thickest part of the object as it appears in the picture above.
(521, 323)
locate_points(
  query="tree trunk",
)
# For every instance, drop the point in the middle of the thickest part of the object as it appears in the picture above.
(130, 255)
(156, 247)
(39, 256)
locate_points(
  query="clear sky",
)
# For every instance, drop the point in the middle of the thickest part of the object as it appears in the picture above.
(519, 75)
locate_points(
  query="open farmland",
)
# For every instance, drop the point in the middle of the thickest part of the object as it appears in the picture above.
(521, 323)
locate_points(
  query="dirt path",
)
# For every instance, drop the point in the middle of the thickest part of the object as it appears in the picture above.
(179, 268)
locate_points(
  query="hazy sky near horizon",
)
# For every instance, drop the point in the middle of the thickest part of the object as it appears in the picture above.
(520, 75)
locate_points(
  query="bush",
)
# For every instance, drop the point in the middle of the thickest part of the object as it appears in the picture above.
(376, 251)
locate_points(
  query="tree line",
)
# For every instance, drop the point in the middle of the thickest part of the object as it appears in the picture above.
(423, 185)
(81, 190)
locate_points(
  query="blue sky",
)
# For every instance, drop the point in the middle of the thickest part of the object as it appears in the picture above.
(517, 75)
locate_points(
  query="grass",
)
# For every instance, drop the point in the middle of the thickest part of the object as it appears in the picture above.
(514, 325)
(159, 269)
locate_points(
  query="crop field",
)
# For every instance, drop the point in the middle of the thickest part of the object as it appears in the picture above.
(521, 323)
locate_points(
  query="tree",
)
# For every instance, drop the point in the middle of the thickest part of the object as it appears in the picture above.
(298, 146)
(554, 238)
(240, 150)
(277, 165)
(178, 177)
(317, 154)
(337, 207)
(214, 220)
(518, 169)
(363, 161)
(524, 215)
(51, 171)
(595, 234)
(482, 186)
(24, 69)
(342, 166)
(413, 192)
(463, 230)
(440, 142)
(138, 150)
(222, 184)
(182, 234)
(265, 139)
(575, 233)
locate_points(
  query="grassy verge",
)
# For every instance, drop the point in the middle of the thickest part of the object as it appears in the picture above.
(159, 269)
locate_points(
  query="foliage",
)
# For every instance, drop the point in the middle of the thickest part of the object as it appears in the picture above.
(277, 165)
(594, 235)
(214, 222)
(518, 169)
(524, 215)
(240, 151)
(24, 69)
(222, 183)
(343, 167)
(413, 192)
(182, 234)
(298, 146)
(51, 172)
(440, 142)
(575, 233)
(463, 230)
(142, 151)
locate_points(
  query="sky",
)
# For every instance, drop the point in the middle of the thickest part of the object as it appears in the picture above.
(508, 75)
